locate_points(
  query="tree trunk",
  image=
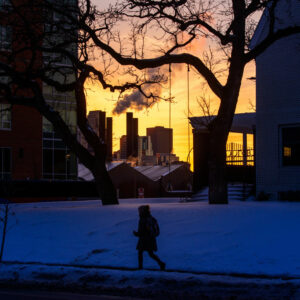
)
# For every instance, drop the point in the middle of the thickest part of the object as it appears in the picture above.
(4, 231)
(104, 184)
(219, 130)
(217, 172)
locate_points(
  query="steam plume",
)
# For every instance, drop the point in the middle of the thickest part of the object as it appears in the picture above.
(138, 101)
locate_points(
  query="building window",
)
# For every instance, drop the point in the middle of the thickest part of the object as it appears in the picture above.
(290, 146)
(58, 162)
(5, 37)
(5, 163)
(5, 116)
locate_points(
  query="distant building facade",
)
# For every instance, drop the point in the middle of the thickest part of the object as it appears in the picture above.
(132, 135)
(123, 147)
(145, 151)
(140, 150)
(166, 158)
(145, 146)
(161, 138)
(103, 127)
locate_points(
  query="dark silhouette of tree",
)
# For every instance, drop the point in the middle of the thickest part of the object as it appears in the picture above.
(226, 25)
(6, 213)
(47, 48)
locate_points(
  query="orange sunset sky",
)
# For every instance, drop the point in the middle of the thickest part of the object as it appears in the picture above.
(158, 115)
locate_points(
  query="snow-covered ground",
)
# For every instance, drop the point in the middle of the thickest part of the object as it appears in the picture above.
(242, 237)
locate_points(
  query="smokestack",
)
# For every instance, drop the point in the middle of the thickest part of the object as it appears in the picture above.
(135, 136)
(109, 130)
(129, 134)
(102, 125)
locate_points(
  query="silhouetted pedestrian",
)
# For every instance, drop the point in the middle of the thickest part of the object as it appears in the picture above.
(147, 232)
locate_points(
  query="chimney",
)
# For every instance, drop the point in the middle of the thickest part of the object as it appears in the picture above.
(109, 130)
(135, 136)
(102, 125)
(129, 134)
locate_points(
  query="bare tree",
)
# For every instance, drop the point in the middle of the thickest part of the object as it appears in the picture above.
(226, 25)
(175, 24)
(47, 49)
(208, 113)
(4, 220)
(5, 213)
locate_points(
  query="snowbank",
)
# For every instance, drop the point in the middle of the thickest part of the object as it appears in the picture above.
(242, 237)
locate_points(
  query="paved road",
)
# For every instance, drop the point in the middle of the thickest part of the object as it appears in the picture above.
(37, 295)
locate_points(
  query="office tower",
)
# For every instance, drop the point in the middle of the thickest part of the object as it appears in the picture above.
(103, 128)
(123, 147)
(97, 121)
(161, 138)
(109, 136)
(135, 136)
(129, 134)
(132, 135)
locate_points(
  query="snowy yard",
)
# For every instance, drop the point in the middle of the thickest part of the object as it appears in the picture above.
(242, 237)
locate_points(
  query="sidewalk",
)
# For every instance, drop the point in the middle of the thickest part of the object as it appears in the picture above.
(148, 284)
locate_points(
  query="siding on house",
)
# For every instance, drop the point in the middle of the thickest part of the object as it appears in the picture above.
(278, 105)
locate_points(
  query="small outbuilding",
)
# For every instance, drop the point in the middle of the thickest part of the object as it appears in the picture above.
(169, 178)
(129, 182)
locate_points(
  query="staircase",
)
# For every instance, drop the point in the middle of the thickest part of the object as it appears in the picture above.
(236, 191)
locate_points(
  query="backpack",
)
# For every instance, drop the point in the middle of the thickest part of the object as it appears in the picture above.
(153, 227)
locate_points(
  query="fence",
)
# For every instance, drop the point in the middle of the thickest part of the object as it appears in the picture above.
(235, 155)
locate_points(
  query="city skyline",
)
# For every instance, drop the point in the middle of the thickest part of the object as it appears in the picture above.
(157, 115)
(99, 99)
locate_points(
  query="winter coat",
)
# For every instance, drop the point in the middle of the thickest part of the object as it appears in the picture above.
(146, 241)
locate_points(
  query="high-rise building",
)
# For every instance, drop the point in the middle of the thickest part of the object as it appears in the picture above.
(135, 130)
(145, 146)
(161, 138)
(145, 152)
(132, 135)
(109, 137)
(129, 134)
(102, 126)
(123, 147)
(97, 120)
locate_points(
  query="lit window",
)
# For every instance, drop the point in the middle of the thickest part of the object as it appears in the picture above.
(291, 146)
(5, 163)
(287, 151)
(5, 116)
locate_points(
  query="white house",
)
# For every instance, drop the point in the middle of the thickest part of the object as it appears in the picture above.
(278, 107)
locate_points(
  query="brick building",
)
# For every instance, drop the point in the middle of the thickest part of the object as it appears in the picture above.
(29, 147)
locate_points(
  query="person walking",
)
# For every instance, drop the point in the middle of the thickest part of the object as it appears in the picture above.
(148, 230)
